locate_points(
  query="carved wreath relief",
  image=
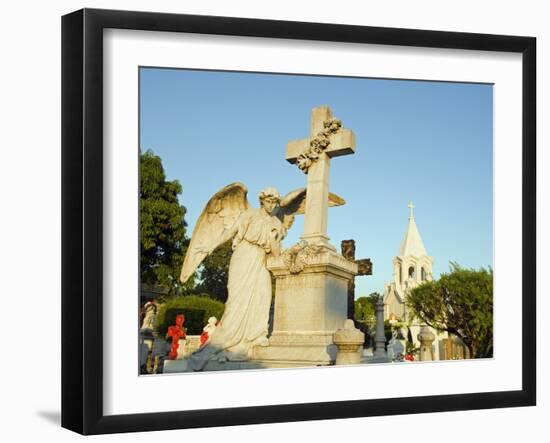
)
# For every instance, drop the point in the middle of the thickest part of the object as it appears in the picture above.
(297, 257)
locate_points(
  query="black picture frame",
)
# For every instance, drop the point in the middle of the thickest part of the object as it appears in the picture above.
(82, 218)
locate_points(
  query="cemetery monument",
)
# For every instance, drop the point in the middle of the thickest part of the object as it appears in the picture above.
(312, 279)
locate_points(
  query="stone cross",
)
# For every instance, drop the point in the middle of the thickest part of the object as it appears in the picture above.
(327, 139)
(411, 207)
(364, 268)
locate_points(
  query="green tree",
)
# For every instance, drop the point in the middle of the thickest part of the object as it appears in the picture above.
(162, 226)
(365, 309)
(214, 272)
(460, 302)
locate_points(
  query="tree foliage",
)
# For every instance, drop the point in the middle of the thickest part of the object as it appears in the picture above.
(197, 309)
(365, 309)
(460, 302)
(162, 227)
(214, 272)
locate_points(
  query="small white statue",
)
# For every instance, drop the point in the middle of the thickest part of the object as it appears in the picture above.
(150, 318)
(395, 348)
(208, 331)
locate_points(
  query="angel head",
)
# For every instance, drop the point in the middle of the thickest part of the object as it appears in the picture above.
(150, 306)
(269, 199)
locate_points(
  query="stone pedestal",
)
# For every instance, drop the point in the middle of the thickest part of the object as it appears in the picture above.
(310, 305)
(426, 338)
(146, 340)
(349, 341)
(380, 337)
(379, 354)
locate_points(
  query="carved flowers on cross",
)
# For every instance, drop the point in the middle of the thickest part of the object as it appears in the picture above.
(303, 162)
(318, 144)
(333, 125)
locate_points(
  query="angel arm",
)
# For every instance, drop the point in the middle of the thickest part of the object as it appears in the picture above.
(288, 206)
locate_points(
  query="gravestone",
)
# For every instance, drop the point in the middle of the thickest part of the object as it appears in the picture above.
(364, 267)
(186, 347)
(311, 298)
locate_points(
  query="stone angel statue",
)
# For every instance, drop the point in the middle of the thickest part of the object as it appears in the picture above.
(256, 233)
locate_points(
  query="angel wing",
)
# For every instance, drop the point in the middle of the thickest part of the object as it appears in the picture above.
(219, 214)
(294, 203)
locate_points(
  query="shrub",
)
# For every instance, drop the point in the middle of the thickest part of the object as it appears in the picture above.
(197, 309)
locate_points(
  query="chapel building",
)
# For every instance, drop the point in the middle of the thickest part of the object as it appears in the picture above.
(411, 267)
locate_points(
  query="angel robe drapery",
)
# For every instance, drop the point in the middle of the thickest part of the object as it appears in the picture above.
(245, 320)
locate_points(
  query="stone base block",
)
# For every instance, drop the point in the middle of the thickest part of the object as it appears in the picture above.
(214, 365)
(298, 356)
(297, 349)
(175, 366)
(373, 360)
(179, 366)
(351, 356)
(310, 305)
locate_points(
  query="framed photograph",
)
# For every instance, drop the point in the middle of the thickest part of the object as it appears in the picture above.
(269, 221)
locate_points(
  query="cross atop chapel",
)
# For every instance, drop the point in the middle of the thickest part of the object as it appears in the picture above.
(312, 155)
(411, 207)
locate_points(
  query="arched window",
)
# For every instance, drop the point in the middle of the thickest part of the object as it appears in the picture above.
(423, 274)
(412, 272)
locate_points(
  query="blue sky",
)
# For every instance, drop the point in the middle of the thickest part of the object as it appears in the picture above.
(425, 142)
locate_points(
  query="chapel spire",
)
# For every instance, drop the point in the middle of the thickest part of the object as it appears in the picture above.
(412, 266)
(412, 243)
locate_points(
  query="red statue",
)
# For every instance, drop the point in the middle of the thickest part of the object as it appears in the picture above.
(176, 331)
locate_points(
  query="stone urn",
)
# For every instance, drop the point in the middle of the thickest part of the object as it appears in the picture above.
(349, 341)
(426, 337)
